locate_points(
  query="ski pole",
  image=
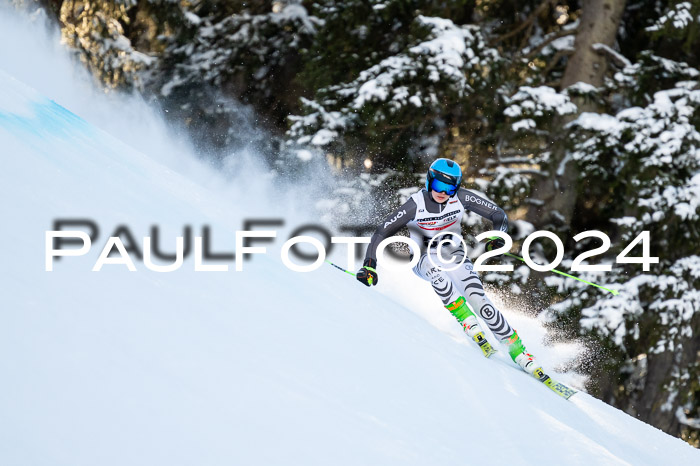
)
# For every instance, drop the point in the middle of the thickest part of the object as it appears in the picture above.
(570, 276)
(347, 271)
(340, 268)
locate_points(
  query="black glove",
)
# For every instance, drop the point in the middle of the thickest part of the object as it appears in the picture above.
(368, 273)
(495, 242)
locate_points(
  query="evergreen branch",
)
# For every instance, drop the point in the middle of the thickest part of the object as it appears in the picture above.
(617, 58)
(551, 38)
(531, 171)
(513, 159)
(528, 21)
(555, 59)
(526, 36)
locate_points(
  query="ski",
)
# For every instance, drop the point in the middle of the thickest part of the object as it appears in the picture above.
(557, 387)
(484, 344)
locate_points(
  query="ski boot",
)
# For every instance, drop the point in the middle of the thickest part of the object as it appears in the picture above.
(460, 309)
(521, 357)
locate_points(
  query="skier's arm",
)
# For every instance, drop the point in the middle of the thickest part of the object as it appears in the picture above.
(391, 224)
(486, 209)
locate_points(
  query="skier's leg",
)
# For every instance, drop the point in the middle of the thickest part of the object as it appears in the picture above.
(469, 284)
(519, 354)
(453, 302)
(460, 310)
(444, 288)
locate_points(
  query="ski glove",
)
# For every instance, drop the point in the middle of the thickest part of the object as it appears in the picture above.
(495, 242)
(368, 273)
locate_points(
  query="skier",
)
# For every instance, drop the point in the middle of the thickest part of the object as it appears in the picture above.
(435, 210)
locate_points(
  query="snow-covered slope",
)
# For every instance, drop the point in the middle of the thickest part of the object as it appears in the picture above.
(263, 366)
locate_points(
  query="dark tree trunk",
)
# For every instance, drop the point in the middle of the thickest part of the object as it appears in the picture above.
(600, 21)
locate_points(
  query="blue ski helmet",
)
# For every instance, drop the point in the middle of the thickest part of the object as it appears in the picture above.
(444, 176)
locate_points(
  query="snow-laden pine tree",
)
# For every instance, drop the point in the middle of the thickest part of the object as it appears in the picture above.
(224, 70)
(625, 150)
(236, 60)
(407, 77)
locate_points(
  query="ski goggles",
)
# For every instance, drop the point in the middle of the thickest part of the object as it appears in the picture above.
(442, 187)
